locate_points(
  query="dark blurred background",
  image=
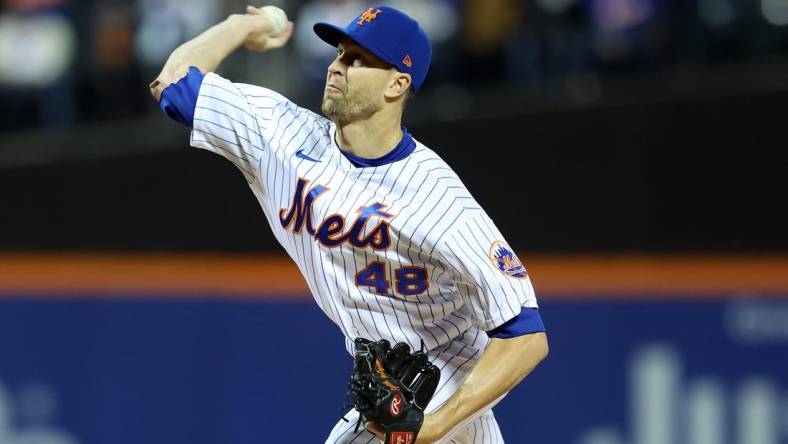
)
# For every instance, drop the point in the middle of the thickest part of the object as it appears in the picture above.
(633, 151)
(581, 125)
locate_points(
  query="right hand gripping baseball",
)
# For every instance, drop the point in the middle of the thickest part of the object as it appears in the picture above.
(262, 38)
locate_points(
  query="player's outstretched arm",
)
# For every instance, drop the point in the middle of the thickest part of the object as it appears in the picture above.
(502, 366)
(206, 51)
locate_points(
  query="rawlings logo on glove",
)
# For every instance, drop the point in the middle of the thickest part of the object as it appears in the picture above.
(391, 387)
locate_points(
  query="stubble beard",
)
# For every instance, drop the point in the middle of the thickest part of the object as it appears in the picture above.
(347, 107)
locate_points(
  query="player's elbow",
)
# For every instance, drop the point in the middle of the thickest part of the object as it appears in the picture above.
(155, 89)
(165, 79)
(170, 74)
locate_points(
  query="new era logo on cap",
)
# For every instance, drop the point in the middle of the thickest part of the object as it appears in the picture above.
(389, 34)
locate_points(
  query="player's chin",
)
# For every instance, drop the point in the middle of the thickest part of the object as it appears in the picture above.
(328, 107)
(329, 98)
(333, 103)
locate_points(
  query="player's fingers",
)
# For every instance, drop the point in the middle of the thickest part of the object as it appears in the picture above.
(375, 430)
(252, 10)
(285, 35)
(281, 39)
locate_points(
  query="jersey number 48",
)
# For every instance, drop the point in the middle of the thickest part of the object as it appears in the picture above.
(409, 281)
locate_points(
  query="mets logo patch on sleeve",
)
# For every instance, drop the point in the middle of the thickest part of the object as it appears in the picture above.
(506, 261)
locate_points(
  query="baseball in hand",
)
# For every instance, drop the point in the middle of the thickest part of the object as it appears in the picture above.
(278, 19)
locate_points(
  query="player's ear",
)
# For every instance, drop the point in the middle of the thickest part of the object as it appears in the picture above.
(398, 85)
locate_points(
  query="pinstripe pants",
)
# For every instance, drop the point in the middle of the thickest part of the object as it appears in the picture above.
(482, 430)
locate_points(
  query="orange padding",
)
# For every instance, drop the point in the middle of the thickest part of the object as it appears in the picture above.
(267, 276)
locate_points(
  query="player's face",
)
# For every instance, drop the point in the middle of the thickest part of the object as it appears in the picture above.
(355, 83)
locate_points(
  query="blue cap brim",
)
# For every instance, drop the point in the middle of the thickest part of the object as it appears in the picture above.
(332, 34)
(329, 33)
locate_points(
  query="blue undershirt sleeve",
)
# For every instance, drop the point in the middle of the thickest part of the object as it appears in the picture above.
(528, 321)
(179, 100)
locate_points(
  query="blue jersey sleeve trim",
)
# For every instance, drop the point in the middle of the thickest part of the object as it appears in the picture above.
(527, 322)
(179, 100)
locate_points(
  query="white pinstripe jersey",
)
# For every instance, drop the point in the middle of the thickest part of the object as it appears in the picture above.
(399, 251)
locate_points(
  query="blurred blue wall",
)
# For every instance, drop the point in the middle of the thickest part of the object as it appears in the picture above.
(143, 370)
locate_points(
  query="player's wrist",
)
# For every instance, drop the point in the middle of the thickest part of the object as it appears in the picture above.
(247, 26)
(432, 430)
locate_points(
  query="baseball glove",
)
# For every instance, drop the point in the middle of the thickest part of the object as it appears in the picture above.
(391, 387)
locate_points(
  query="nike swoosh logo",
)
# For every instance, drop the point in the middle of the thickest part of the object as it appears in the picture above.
(300, 153)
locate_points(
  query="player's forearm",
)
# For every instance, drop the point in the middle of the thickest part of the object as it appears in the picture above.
(503, 365)
(205, 51)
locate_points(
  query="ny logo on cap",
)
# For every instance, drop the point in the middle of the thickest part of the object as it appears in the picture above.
(368, 16)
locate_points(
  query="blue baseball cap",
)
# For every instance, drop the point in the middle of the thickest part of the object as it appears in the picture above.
(389, 34)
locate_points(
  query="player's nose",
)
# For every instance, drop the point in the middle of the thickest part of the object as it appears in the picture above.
(335, 68)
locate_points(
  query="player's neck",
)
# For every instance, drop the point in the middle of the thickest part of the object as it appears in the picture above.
(370, 138)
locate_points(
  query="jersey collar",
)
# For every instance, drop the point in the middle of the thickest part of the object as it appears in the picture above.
(401, 151)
